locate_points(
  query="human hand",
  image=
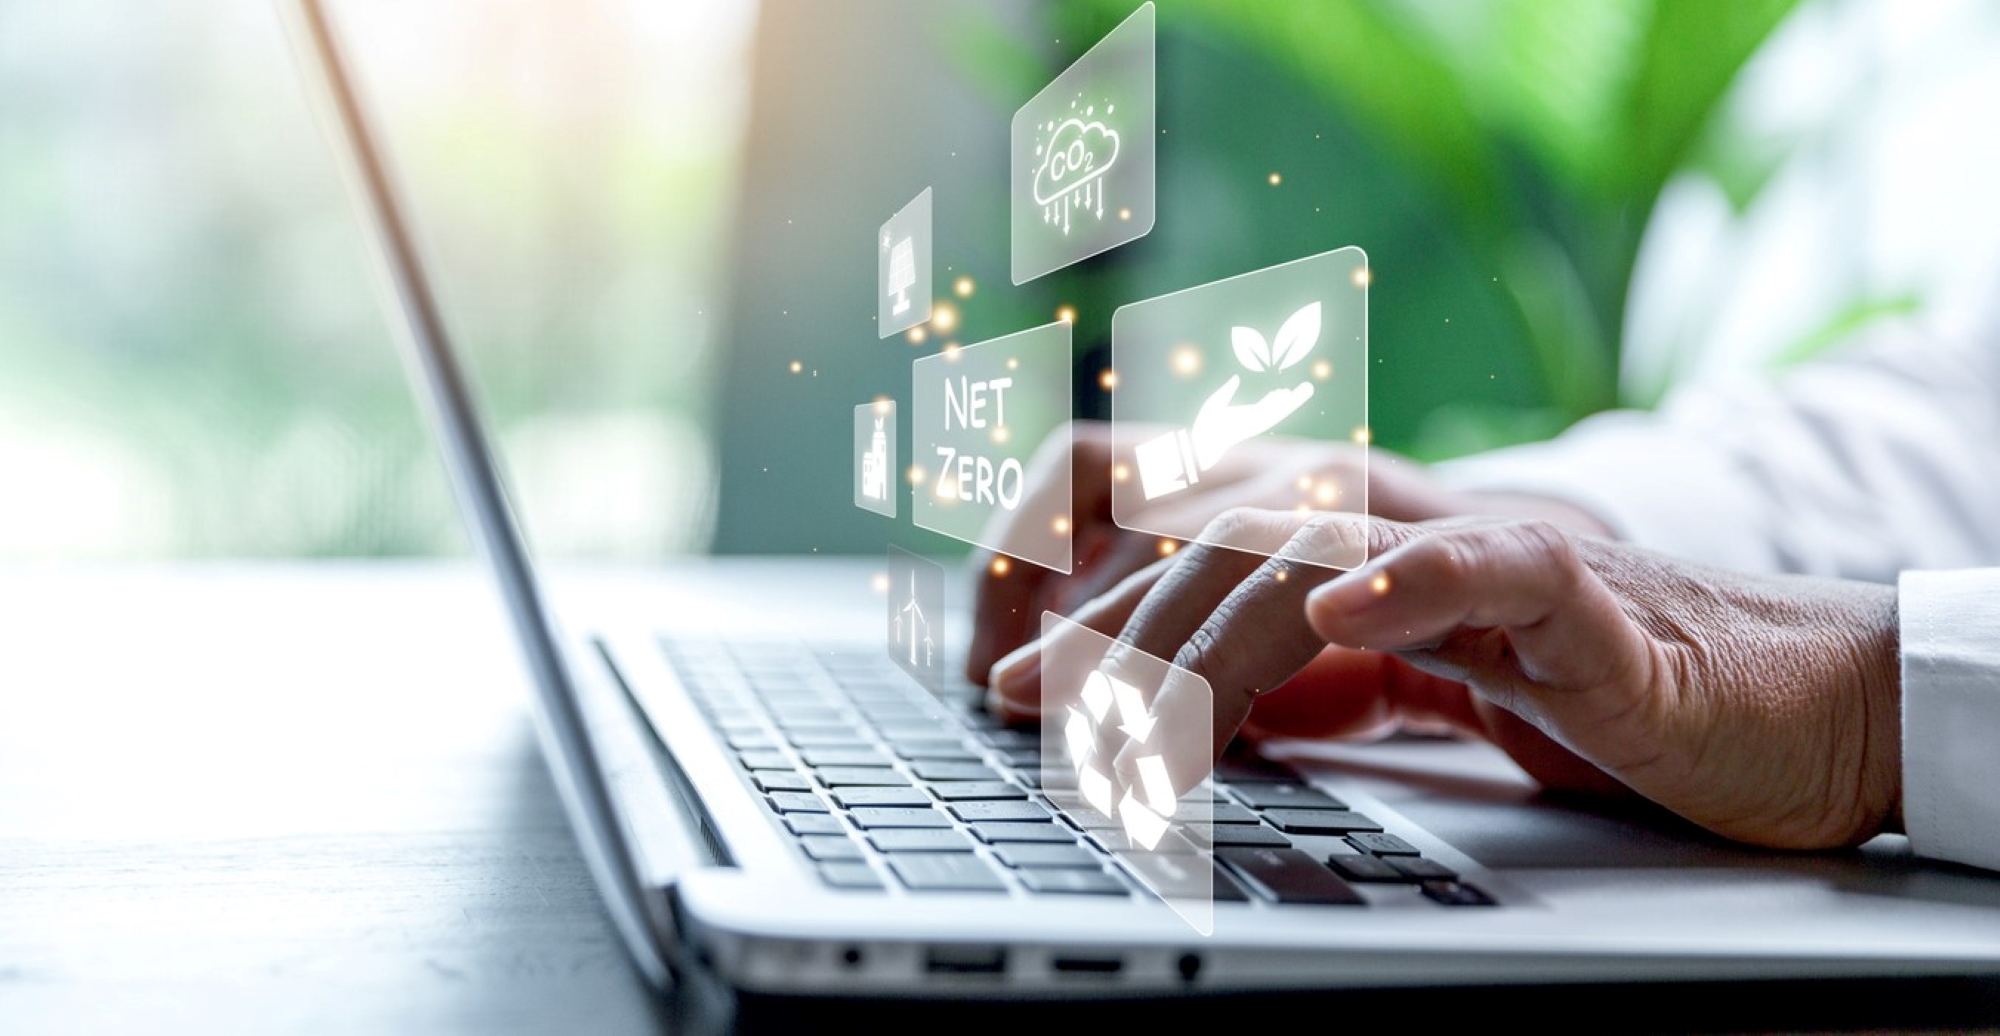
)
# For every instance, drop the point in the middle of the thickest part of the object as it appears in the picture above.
(1762, 708)
(1222, 423)
(1010, 599)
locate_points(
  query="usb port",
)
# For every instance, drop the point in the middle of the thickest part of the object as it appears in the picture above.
(1088, 965)
(966, 960)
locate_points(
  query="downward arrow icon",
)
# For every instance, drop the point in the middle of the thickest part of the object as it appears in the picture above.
(1132, 709)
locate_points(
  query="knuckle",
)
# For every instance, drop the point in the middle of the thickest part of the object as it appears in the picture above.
(1230, 526)
(1199, 654)
(1547, 545)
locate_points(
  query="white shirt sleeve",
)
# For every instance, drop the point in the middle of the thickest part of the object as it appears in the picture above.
(1858, 466)
(1951, 714)
(1869, 464)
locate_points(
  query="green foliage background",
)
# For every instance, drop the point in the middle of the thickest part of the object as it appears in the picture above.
(1499, 161)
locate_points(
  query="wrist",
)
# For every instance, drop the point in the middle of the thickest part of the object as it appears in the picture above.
(1878, 647)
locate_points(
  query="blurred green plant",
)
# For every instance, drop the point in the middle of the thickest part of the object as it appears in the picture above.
(1542, 133)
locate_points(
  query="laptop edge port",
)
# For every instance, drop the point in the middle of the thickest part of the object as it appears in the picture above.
(965, 960)
(1087, 965)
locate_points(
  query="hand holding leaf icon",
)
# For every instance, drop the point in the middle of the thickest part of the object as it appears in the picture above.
(1175, 461)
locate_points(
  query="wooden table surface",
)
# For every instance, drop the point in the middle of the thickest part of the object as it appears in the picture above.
(284, 798)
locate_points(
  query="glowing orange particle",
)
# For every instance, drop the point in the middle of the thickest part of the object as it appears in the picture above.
(1001, 566)
(1167, 547)
(797, 366)
(963, 286)
(1066, 314)
(1380, 584)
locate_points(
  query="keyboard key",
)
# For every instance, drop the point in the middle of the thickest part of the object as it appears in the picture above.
(1362, 867)
(1022, 758)
(1008, 833)
(1009, 739)
(946, 872)
(849, 798)
(1088, 819)
(1218, 813)
(1073, 882)
(1046, 855)
(751, 742)
(1242, 836)
(1289, 876)
(1319, 821)
(817, 720)
(843, 757)
(970, 708)
(980, 812)
(1237, 769)
(1284, 795)
(830, 847)
(860, 777)
(944, 771)
(902, 714)
(920, 840)
(796, 802)
(973, 791)
(1456, 893)
(815, 824)
(766, 760)
(837, 737)
(849, 875)
(937, 753)
(1381, 844)
(1420, 869)
(1225, 889)
(771, 780)
(871, 818)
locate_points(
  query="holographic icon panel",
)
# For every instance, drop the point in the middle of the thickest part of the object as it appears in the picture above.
(981, 417)
(875, 470)
(1083, 151)
(1216, 382)
(1126, 754)
(903, 265)
(914, 624)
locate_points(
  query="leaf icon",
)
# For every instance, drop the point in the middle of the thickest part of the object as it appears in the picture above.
(1251, 351)
(1296, 338)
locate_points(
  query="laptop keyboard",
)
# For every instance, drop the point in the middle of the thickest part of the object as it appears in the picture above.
(881, 785)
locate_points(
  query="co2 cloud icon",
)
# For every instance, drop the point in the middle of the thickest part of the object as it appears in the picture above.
(1074, 162)
(1082, 155)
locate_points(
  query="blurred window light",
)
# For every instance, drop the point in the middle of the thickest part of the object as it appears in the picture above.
(194, 359)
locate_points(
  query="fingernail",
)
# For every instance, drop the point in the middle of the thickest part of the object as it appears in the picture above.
(1015, 677)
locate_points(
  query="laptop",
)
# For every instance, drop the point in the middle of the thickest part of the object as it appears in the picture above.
(770, 806)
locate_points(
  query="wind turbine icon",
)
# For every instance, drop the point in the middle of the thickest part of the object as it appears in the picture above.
(919, 628)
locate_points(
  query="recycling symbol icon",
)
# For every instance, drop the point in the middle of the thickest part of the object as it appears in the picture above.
(1145, 811)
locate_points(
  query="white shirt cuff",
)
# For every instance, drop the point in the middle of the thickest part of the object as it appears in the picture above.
(1951, 714)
